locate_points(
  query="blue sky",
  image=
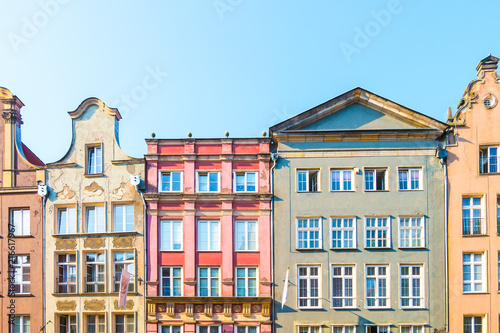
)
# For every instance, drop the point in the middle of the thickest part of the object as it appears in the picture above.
(207, 67)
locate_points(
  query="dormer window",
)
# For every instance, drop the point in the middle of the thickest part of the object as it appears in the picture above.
(94, 160)
(489, 101)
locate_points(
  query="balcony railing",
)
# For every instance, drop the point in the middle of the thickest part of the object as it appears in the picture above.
(472, 226)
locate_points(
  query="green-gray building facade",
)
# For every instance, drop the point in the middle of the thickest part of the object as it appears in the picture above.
(359, 219)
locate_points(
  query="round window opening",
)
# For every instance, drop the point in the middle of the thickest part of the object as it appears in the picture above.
(489, 101)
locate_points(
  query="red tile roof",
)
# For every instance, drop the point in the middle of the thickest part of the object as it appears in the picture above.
(31, 157)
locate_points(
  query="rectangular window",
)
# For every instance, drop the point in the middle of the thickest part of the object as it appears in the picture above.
(95, 220)
(309, 329)
(342, 180)
(498, 215)
(170, 329)
(308, 284)
(411, 232)
(343, 286)
(309, 234)
(377, 286)
(20, 222)
(375, 179)
(499, 280)
(171, 181)
(66, 324)
(411, 282)
(208, 236)
(208, 329)
(208, 281)
(474, 272)
(412, 329)
(126, 261)
(208, 181)
(66, 220)
(246, 281)
(95, 279)
(21, 268)
(410, 179)
(307, 180)
(123, 218)
(171, 235)
(377, 329)
(245, 181)
(343, 329)
(171, 281)
(94, 160)
(343, 233)
(125, 323)
(377, 232)
(246, 235)
(473, 324)
(66, 273)
(21, 324)
(472, 215)
(488, 159)
(95, 323)
(246, 329)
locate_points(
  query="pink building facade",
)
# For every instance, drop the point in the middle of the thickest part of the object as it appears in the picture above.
(208, 235)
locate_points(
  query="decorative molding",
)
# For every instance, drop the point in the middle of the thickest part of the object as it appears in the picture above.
(256, 308)
(180, 308)
(199, 308)
(66, 193)
(93, 243)
(93, 190)
(94, 305)
(66, 305)
(237, 308)
(189, 310)
(123, 242)
(266, 310)
(170, 309)
(209, 310)
(66, 244)
(151, 309)
(218, 308)
(228, 310)
(128, 306)
(247, 310)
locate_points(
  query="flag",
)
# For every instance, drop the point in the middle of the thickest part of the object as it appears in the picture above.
(285, 289)
(124, 282)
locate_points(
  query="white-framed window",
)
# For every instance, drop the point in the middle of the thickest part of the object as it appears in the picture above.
(412, 286)
(309, 294)
(309, 233)
(95, 323)
(473, 324)
(208, 181)
(170, 329)
(246, 236)
(410, 179)
(472, 215)
(21, 268)
(344, 329)
(246, 282)
(411, 231)
(343, 232)
(377, 232)
(376, 180)
(412, 329)
(66, 323)
(246, 329)
(126, 261)
(498, 215)
(21, 324)
(308, 181)
(94, 160)
(208, 329)
(377, 286)
(309, 329)
(171, 181)
(66, 220)
(171, 235)
(171, 281)
(342, 180)
(66, 273)
(123, 218)
(488, 159)
(95, 219)
(474, 275)
(499, 280)
(377, 329)
(209, 281)
(20, 222)
(343, 286)
(95, 272)
(245, 181)
(208, 235)
(125, 323)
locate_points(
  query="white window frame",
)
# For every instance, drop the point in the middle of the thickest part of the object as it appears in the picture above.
(472, 265)
(246, 278)
(20, 222)
(123, 222)
(309, 278)
(379, 327)
(408, 172)
(99, 218)
(345, 278)
(411, 277)
(342, 180)
(310, 328)
(209, 279)
(307, 232)
(94, 165)
(245, 183)
(69, 325)
(485, 161)
(409, 233)
(411, 329)
(70, 223)
(125, 263)
(213, 245)
(98, 326)
(125, 315)
(471, 208)
(198, 327)
(100, 278)
(343, 229)
(245, 329)
(246, 242)
(18, 266)
(375, 232)
(69, 267)
(375, 185)
(169, 243)
(22, 319)
(180, 326)
(377, 277)
(308, 180)
(473, 318)
(172, 278)
(343, 328)
(208, 172)
(171, 172)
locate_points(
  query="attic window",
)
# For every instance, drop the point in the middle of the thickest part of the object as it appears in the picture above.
(94, 160)
(489, 101)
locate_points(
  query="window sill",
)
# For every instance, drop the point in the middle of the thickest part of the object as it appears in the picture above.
(475, 293)
(335, 191)
(412, 190)
(173, 192)
(209, 251)
(246, 251)
(412, 247)
(310, 249)
(368, 191)
(310, 308)
(343, 248)
(378, 308)
(251, 192)
(83, 234)
(308, 192)
(20, 295)
(378, 248)
(21, 236)
(173, 251)
(92, 175)
(480, 235)
(488, 173)
(345, 308)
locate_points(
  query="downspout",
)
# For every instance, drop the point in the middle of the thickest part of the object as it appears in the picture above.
(274, 158)
(145, 258)
(42, 191)
(445, 167)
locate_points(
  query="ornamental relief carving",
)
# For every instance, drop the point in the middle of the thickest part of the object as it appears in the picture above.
(66, 244)
(128, 306)
(94, 305)
(93, 243)
(66, 305)
(123, 242)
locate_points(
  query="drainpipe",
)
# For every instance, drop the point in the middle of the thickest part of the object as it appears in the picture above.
(274, 158)
(42, 191)
(445, 168)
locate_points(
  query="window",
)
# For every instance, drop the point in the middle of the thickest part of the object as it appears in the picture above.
(411, 282)
(171, 181)
(498, 215)
(472, 209)
(377, 286)
(95, 280)
(474, 275)
(343, 329)
(21, 268)
(343, 287)
(411, 232)
(343, 233)
(66, 273)
(246, 281)
(499, 279)
(126, 261)
(125, 323)
(488, 159)
(412, 329)
(67, 324)
(20, 222)
(66, 220)
(246, 329)
(171, 236)
(170, 329)
(309, 329)
(377, 232)
(342, 180)
(308, 283)
(410, 179)
(377, 329)
(208, 281)
(95, 323)
(94, 160)
(208, 329)
(473, 324)
(309, 234)
(246, 235)
(307, 180)
(208, 236)
(376, 180)
(208, 181)
(95, 220)
(171, 281)
(245, 181)
(21, 324)
(124, 218)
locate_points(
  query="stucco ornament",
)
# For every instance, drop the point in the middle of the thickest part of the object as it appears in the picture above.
(123, 192)
(66, 305)
(93, 190)
(94, 243)
(66, 193)
(128, 306)
(94, 305)
(66, 244)
(123, 242)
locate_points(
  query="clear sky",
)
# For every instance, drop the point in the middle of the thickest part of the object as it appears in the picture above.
(207, 67)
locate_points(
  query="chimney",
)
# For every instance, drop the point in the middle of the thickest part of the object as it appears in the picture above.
(488, 64)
